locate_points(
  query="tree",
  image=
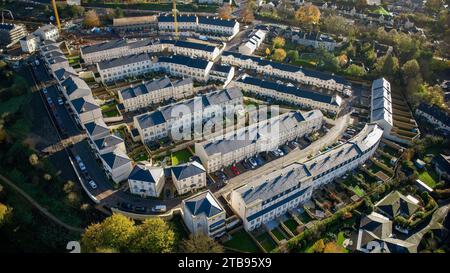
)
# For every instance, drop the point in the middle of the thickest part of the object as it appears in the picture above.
(355, 70)
(434, 6)
(308, 15)
(154, 235)
(118, 13)
(337, 25)
(225, 11)
(200, 243)
(387, 66)
(247, 15)
(279, 54)
(69, 186)
(114, 232)
(5, 214)
(278, 42)
(91, 19)
(360, 4)
(33, 159)
(293, 55)
(410, 69)
(268, 51)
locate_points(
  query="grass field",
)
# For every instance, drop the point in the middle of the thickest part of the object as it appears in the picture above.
(242, 241)
(427, 178)
(110, 110)
(291, 224)
(278, 234)
(180, 157)
(266, 241)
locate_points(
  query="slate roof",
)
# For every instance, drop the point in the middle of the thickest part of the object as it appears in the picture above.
(108, 141)
(103, 46)
(290, 68)
(197, 46)
(221, 68)
(163, 114)
(187, 170)
(124, 60)
(395, 204)
(243, 137)
(64, 73)
(203, 203)
(271, 185)
(146, 174)
(302, 93)
(436, 112)
(115, 159)
(145, 88)
(84, 104)
(205, 20)
(74, 83)
(187, 61)
(168, 18)
(97, 127)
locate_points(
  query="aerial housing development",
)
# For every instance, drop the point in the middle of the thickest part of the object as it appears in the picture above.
(225, 126)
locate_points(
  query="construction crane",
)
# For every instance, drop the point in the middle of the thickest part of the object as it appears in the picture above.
(55, 10)
(175, 22)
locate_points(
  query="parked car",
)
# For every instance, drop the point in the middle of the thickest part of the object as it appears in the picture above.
(280, 152)
(252, 162)
(92, 184)
(60, 101)
(140, 209)
(80, 163)
(222, 176)
(235, 170)
(246, 164)
(159, 208)
(45, 91)
(126, 206)
(259, 160)
(285, 149)
(50, 101)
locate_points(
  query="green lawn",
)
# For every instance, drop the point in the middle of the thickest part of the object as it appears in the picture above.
(266, 241)
(180, 157)
(110, 110)
(340, 238)
(304, 217)
(428, 179)
(358, 191)
(291, 224)
(242, 241)
(12, 105)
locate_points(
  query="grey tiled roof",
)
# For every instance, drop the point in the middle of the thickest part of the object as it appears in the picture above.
(187, 170)
(146, 174)
(146, 88)
(97, 127)
(216, 21)
(84, 104)
(203, 204)
(129, 59)
(115, 160)
(302, 93)
(108, 141)
(183, 60)
(73, 84)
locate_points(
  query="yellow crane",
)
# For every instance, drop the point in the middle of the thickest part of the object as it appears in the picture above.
(175, 22)
(55, 10)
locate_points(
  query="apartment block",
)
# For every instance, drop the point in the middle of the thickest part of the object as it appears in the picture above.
(182, 66)
(160, 123)
(188, 177)
(272, 195)
(146, 181)
(154, 92)
(290, 94)
(124, 67)
(286, 71)
(266, 135)
(202, 213)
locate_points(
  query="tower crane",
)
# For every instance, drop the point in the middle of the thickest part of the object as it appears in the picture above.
(55, 10)
(175, 21)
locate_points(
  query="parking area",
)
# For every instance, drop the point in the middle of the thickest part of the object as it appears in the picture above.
(258, 160)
